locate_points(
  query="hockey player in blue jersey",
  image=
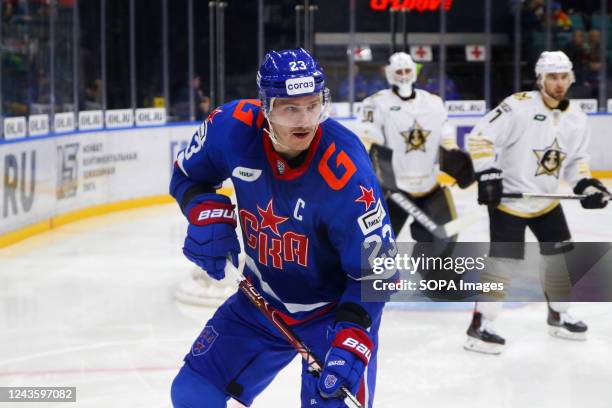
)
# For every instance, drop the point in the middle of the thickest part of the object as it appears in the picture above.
(309, 206)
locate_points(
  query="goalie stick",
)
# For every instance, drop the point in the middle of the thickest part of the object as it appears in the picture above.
(314, 364)
(444, 231)
(381, 160)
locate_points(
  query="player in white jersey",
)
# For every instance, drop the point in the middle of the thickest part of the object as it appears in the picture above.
(413, 123)
(529, 143)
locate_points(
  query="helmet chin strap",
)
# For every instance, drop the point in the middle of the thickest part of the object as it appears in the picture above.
(270, 132)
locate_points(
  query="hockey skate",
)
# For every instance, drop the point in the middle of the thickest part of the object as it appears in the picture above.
(565, 326)
(482, 337)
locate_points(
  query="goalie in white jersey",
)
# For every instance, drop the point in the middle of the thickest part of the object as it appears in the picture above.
(530, 142)
(413, 123)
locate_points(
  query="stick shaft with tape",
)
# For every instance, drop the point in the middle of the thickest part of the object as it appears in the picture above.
(545, 195)
(314, 364)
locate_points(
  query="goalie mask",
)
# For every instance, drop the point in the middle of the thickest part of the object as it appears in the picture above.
(292, 74)
(401, 73)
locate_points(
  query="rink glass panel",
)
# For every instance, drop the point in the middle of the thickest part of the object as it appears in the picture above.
(201, 83)
(29, 85)
(25, 58)
(64, 59)
(117, 33)
(178, 107)
(148, 32)
(90, 57)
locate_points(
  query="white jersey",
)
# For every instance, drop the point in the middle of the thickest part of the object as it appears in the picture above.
(534, 147)
(414, 129)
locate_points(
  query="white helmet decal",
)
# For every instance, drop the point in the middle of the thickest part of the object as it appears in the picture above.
(398, 61)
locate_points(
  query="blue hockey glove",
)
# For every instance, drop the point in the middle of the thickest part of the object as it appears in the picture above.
(597, 195)
(211, 234)
(346, 360)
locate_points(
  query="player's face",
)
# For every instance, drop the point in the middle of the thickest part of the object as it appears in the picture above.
(403, 75)
(557, 84)
(295, 121)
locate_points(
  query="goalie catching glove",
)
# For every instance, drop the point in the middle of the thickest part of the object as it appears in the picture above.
(211, 234)
(597, 195)
(457, 164)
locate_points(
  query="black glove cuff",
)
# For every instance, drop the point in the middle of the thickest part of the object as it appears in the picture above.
(193, 192)
(489, 175)
(353, 313)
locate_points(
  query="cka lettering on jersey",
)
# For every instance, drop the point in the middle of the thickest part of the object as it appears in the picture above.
(262, 233)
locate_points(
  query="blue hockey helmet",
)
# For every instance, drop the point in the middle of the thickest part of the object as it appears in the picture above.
(289, 73)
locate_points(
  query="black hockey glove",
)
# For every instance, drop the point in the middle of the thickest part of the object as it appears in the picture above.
(597, 195)
(458, 165)
(489, 187)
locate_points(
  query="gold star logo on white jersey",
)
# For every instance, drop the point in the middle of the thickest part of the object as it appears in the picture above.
(550, 160)
(415, 138)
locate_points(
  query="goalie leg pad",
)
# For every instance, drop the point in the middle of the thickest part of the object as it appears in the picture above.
(439, 206)
(397, 216)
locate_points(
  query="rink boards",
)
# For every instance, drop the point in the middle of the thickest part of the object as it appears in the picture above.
(49, 180)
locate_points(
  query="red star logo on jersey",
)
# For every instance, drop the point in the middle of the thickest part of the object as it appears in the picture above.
(269, 220)
(367, 197)
(212, 115)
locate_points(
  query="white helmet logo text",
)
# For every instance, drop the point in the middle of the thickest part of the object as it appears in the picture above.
(298, 86)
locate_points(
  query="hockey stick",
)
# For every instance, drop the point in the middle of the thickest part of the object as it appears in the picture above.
(381, 160)
(544, 195)
(444, 231)
(314, 365)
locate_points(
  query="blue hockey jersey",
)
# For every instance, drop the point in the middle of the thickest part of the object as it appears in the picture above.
(305, 229)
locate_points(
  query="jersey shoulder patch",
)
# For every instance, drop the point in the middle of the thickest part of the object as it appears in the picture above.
(522, 96)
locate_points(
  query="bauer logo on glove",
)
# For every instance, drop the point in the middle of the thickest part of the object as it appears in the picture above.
(351, 343)
(212, 212)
